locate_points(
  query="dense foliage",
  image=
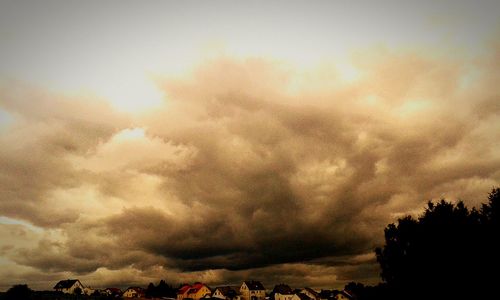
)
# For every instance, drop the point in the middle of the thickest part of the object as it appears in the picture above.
(20, 291)
(449, 252)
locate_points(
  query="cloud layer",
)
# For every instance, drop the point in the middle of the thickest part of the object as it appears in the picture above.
(250, 168)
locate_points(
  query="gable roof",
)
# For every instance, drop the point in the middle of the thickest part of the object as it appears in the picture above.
(254, 285)
(227, 291)
(139, 290)
(183, 289)
(303, 296)
(310, 290)
(346, 294)
(283, 289)
(66, 284)
(196, 287)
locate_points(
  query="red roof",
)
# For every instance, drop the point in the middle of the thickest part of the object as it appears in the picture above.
(196, 287)
(190, 288)
(183, 289)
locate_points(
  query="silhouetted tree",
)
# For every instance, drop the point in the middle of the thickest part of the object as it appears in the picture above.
(491, 211)
(161, 290)
(18, 292)
(166, 290)
(449, 252)
(151, 291)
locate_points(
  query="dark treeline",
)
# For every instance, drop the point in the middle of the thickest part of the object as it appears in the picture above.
(449, 252)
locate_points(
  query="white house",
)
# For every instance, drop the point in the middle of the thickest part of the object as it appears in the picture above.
(69, 286)
(226, 293)
(252, 290)
(88, 290)
(301, 296)
(282, 292)
(133, 292)
(114, 292)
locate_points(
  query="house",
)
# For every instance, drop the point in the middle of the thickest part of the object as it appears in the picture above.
(301, 296)
(282, 292)
(310, 293)
(182, 292)
(133, 292)
(227, 293)
(113, 292)
(252, 290)
(88, 290)
(69, 286)
(195, 292)
(198, 291)
(343, 295)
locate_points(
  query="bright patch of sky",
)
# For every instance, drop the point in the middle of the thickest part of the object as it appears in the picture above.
(5, 119)
(414, 106)
(112, 47)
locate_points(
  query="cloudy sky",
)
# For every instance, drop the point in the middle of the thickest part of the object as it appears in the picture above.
(228, 140)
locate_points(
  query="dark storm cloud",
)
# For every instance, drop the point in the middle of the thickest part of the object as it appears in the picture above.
(221, 241)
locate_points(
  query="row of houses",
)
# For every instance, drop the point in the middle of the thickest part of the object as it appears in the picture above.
(248, 290)
(254, 290)
(74, 286)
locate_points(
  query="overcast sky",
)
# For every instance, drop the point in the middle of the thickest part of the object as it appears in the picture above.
(219, 141)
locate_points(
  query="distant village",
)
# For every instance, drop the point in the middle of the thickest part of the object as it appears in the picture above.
(248, 290)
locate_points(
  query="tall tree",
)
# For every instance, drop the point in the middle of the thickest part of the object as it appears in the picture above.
(447, 253)
(151, 291)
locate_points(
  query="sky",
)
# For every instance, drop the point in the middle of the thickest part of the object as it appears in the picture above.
(221, 141)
